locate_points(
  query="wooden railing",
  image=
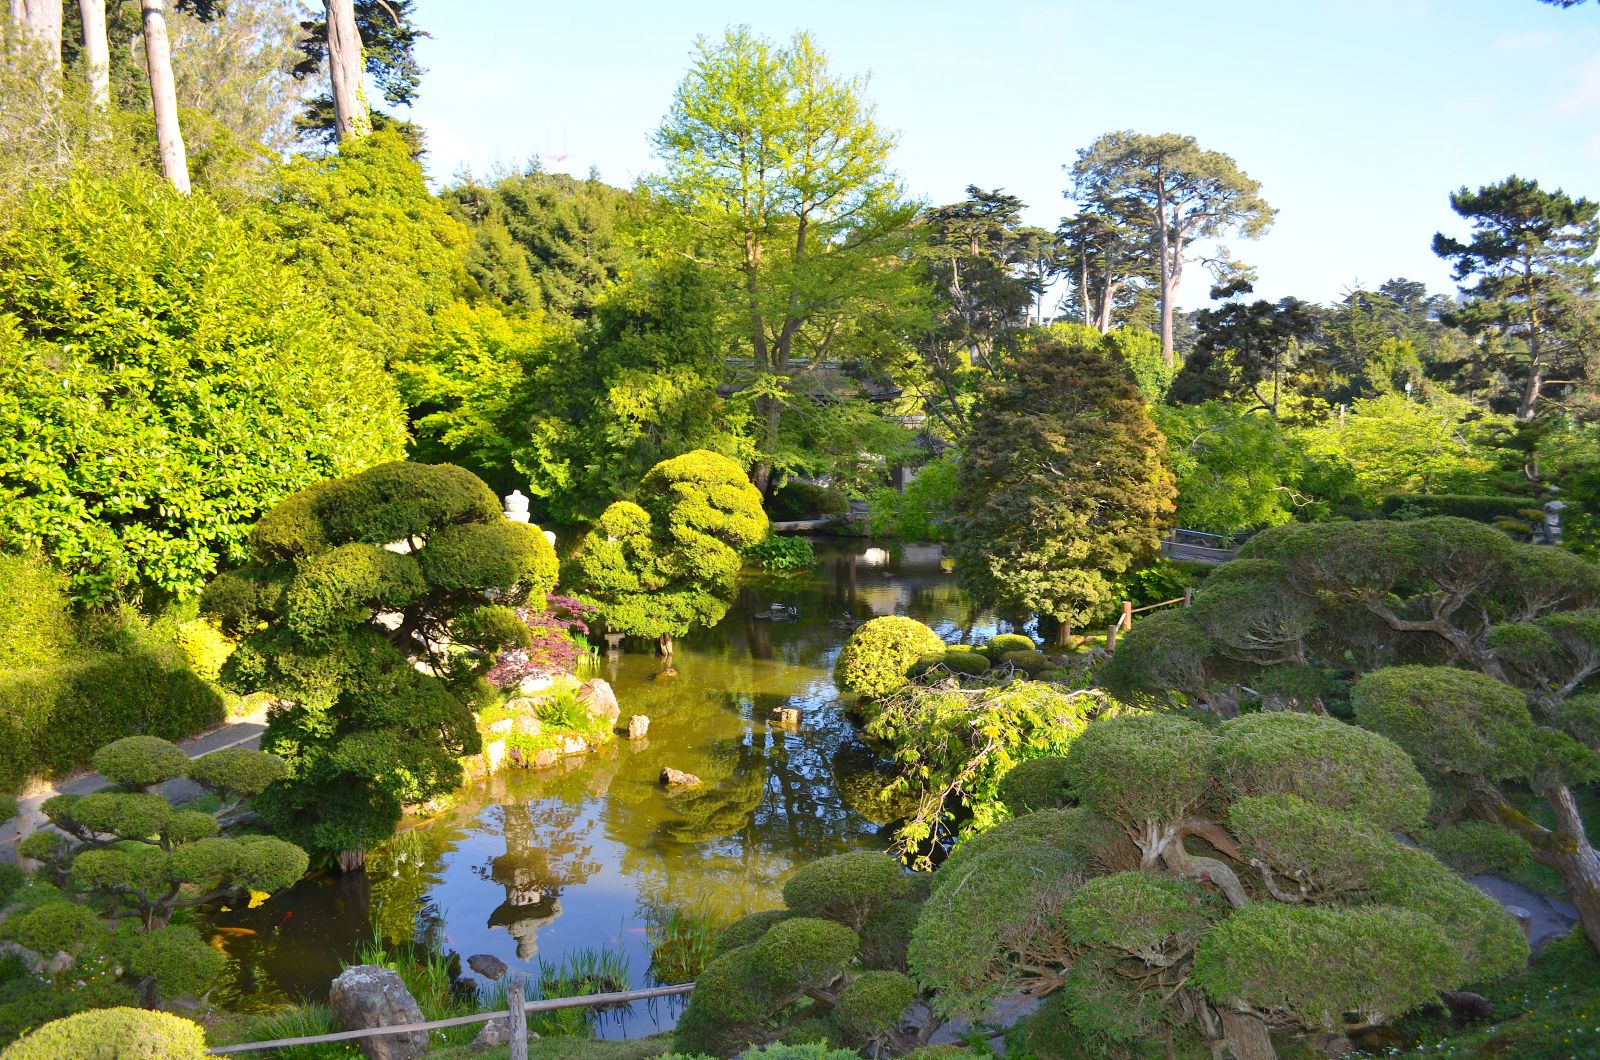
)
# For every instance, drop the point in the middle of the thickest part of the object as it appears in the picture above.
(1125, 621)
(519, 1027)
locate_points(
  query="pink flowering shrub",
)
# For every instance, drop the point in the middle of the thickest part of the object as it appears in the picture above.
(556, 645)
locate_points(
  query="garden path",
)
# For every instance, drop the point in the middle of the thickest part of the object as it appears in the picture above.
(241, 732)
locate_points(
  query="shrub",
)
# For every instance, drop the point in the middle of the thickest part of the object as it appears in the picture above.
(846, 887)
(872, 1004)
(178, 960)
(876, 658)
(237, 771)
(784, 555)
(1003, 642)
(1488, 940)
(968, 663)
(11, 880)
(205, 646)
(8, 808)
(1037, 784)
(1476, 847)
(35, 617)
(55, 926)
(113, 1034)
(747, 929)
(140, 761)
(886, 934)
(1138, 767)
(1484, 509)
(801, 951)
(1029, 662)
(806, 500)
(1134, 913)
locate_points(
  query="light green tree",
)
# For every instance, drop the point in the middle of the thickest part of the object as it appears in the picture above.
(780, 171)
(1396, 444)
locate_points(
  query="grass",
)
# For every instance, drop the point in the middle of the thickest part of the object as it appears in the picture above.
(681, 942)
(570, 1049)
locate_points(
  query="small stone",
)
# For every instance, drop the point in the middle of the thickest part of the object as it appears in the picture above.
(638, 726)
(1333, 1045)
(545, 758)
(677, 778)
(516, 757)
(522, 705)
(494, 755)
(499, 728)
(599, 700)
(495, 1034)
(487, 965)
(572, 744)
(527, 724)
(787, 717)
(665, 674)
(534, 684)
(1467, 1007)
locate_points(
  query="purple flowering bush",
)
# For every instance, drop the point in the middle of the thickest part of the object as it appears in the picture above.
(556, 631)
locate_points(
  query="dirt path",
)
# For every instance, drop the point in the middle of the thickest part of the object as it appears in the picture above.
(244, 732)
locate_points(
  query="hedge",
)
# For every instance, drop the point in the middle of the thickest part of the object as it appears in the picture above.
(52, 720)
(1484, 509)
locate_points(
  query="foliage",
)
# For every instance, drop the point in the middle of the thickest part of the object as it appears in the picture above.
(363, 730)
(194, 350)
(1483, 509)
(876, 658)
(667, 564)
(1235, 469)
(1035, 534)
(784, 555)
(920, 512)
(35, 619)
(848, 888)
(799, 499)
(113, 1034)
(955, 747)
(1298, 912)
(555, 642)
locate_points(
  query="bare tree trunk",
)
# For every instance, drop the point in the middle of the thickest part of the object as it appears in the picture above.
(96, 52)
(1169, 281)
(1566, 848)
(40, 21)
(163, 94)
(345, 68)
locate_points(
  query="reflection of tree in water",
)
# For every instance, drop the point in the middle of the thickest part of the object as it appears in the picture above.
(547, 849)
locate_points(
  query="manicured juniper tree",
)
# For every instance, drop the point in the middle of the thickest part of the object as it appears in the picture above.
(665, 562)
(1061, 486)
(1308, 605)
(374, 605)
(1213, 883)
(140, 859)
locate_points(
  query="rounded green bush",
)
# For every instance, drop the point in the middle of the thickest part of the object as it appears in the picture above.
(747, 929)
(42, 845)
(56, 926)
(1029, 662)
(845, 887)
(342, 586)
(1036, 784)
(887, 933)
(179, 961)
(1452, 722)
(133, 816)
(495, 555)
(1001, 643)
(1489, 940)
(400, 500)
(1072, 831)
(1473, 848)
(1337, 852)
(1135, 912)
(140, 761)
(237, 771)
(11, 880)
(1142, 767)
(872, 1003)
(961, 661)
(1324, 761)
(802, 952)
(112, 1034)
(876, 658)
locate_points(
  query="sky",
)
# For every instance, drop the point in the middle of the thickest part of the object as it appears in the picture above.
(1358, 117)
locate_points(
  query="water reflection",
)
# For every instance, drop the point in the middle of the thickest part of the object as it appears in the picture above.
(533, 866)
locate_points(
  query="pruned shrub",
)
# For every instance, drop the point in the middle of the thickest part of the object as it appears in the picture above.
(140, 762)
(1036, 784)
(846, 887)
(113, 1034)
(747, 929)
(875, 660)
(1029, 662)
(178, 960)
(871, 1006)
(1476, 847)
(1001, 643)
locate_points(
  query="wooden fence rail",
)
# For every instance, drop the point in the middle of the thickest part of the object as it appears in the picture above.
(588, 1001)
(1125, 621)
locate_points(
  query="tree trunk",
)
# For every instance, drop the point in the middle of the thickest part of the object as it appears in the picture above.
(346, 67)
(1565, 848)
(1246, 1036)
(352, 858)
(664, 645)
(163, 94)
(1530, 393)
(1169, 279)
(1064, 635)
(96, 52)
(40, 21)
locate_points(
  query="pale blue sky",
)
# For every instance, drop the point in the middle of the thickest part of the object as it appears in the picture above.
(1358, 116)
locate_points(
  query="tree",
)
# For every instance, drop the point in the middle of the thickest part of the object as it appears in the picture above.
(1185, 193)
(1107, 253)
(346, 71)
(163, 94)
(665, 562)
(1235, 468)
(40, 22)
(1397, 444)
(1303, 911)
(1307, 602)
(96, 52)
(142, 858)
(375, 651)
(780, 171)
(166, 382)
(1532, 264)
(1243, 347)
(356, 38)
(1036, 530)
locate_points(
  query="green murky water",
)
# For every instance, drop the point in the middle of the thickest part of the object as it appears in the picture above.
(530, 866)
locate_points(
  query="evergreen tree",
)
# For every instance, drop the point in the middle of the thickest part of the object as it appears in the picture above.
(1061, 487)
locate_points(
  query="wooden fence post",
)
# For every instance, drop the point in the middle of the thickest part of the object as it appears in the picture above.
(1188, 596)
(1111, 637)
(518, 1017)
(1127, 615)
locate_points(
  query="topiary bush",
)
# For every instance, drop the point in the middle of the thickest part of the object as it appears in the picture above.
(847, 888)
(113, 1034)
(871, 1006)
(1473, 848)
(966, 663)
(1003, 642)
(177, 960)
(1037, 784)
(875, 660)
(1029, 662)
(140, 762)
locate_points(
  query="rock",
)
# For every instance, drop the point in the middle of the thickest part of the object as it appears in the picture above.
(534, 684)
(599, 700)
(665, 674)
(1333, 1045)
(369, 996)
(527, 724)
(499, 728)
(487, 965)
(61, 962)
(30, 960)
(1467, 1007)
(677, 778)
(494, 755)
(495, 1034)
(638, 726)
(573, 744)
(788, 717)
(545, 758)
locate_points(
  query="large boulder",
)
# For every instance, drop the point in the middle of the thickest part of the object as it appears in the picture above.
(598, 699)
(366, 995)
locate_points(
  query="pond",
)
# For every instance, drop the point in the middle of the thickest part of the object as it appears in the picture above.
(536, 866)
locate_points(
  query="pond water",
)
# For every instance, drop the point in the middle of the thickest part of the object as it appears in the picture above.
(535, 866)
